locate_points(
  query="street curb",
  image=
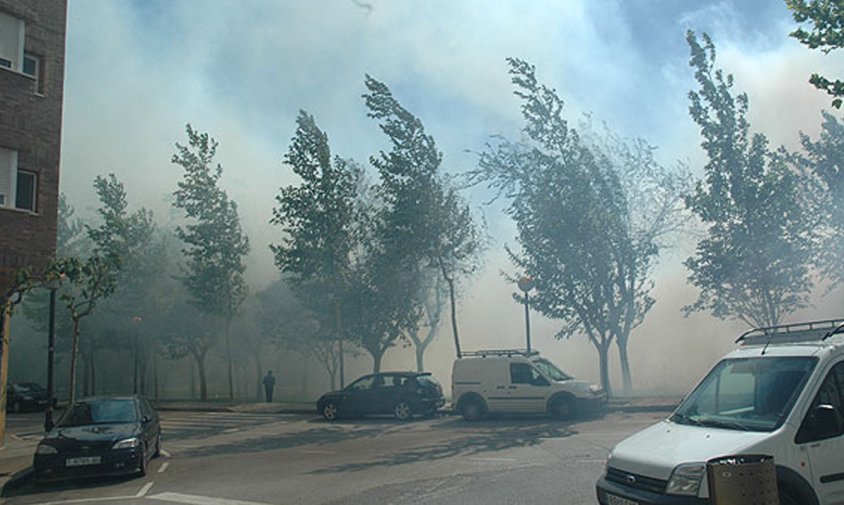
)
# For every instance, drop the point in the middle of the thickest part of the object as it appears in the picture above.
(15, 481)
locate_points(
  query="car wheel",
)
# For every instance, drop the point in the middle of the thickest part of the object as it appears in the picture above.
(563, 408)
(471, 410)
(330, 411)
(157, 452)
(402, 411)
(142, 464)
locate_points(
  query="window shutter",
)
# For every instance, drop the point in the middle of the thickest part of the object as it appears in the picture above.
(11, 41)
(8, 173)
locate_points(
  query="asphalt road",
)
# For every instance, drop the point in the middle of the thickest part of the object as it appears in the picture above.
(255, 459)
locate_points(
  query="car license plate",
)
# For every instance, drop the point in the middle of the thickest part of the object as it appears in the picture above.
(617, 500)
(91, 460)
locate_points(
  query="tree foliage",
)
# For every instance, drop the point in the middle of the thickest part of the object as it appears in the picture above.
(214, 242)
(754, 263)
(826, 18)
(582, 234)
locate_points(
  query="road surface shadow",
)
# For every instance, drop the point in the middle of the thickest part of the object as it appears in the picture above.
(482, 438)
(313, 436)
(28, 487)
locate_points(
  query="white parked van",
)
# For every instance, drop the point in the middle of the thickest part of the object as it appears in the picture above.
(518, 381)
(781, 393)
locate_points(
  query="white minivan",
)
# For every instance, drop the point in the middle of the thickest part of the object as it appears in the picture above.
(781, 393)
(517, 381)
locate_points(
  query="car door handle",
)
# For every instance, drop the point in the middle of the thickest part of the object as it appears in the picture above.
(499, 387)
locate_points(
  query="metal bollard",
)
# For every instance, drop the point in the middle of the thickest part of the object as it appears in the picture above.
(749, 479)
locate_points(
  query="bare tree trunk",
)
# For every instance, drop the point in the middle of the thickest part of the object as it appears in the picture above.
(74, 352)
(626, 378)
(200, 366)
(338, 325)
(603, 362)
(453, 304)
(420, 353)
(258, 371)
(376, 362)
(229, 357)
(86, 375)
(93, 365)
(155, 375)
(193, 380)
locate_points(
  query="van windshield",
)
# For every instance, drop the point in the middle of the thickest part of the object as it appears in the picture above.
(751, 394)
(549, 370)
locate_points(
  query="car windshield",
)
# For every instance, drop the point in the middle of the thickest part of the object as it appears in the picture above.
(549, 370)
(753, 394)
(86, 413)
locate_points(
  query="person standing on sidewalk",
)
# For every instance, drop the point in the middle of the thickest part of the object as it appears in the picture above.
(269, 385)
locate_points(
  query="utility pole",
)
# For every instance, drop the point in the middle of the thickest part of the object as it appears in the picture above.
(526, 283)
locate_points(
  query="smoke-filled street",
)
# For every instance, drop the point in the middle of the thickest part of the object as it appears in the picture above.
(243, 459)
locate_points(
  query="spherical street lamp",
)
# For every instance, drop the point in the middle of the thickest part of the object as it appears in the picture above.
(526, 283)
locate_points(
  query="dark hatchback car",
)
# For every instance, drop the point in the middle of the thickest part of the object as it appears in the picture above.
(100, 437)
(402, 394)
(22, 396)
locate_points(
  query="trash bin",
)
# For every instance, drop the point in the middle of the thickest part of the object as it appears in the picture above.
(742, 480)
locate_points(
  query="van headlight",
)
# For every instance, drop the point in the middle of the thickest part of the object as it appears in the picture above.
(127, 443)
(685, 479)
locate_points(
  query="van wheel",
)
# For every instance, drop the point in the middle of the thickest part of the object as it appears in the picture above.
(563, 408)
(471, 409)
(786, 498)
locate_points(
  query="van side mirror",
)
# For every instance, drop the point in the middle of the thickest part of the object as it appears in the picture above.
(821, 423)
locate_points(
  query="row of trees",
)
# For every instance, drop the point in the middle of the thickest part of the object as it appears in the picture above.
(369, 264)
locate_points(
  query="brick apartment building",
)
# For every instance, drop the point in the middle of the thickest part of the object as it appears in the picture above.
(32, 52)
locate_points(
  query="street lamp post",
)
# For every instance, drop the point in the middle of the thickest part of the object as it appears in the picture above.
(53, 286)
(526, 283)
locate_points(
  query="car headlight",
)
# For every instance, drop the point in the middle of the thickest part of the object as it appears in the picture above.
(596, 390)
(127, 443)
(685, 479)
(45, 449)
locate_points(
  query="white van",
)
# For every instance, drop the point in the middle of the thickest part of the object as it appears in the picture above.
(518, 381)
(781, 393)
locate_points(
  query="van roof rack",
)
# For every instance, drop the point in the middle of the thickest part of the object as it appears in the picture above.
(501, 352)
(812, 331)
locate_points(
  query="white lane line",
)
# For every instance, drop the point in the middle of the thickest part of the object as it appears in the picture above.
(231, 430)
(163, 467)
(317, 452)
(198, 500)
(166, 454)
(144, 490)
(601, 461)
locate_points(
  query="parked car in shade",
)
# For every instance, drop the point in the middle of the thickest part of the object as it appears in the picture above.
(22, 396)
(101, 436)
(401, 394)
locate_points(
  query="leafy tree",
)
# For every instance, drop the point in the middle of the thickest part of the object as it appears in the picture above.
(429, 224)
(585, 236)
(827, 34)
(317, 217)
(754, 264)
(824, 158)
(214, 242)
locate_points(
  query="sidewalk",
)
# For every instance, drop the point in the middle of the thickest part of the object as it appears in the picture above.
(15, 461)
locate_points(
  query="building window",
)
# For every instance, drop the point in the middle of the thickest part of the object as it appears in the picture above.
(18, 188)
(32, 68)
(11, 42)
(27, 184)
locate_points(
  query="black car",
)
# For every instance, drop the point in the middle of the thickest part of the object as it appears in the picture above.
(100, 437)
(23, 396)
(402, 394)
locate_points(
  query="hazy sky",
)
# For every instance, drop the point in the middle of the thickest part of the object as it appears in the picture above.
(137, 71)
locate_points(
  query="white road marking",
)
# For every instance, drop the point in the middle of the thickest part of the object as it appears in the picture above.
(166, 454)
(601, 461)
(199, 500)
(163, 466)
(144, 490)
(231, 430)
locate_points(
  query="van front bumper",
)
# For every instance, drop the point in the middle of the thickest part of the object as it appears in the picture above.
(592, 405)
(604, 488)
